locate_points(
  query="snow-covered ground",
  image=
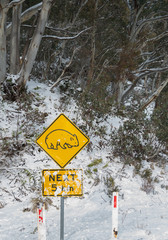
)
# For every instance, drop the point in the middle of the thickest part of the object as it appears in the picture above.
(142, 216)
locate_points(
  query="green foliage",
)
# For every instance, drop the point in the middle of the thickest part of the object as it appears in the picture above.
(110, 185)
(30, 3)
(95, 162)
(148, 181)
(96, 101)
(147, 173)
(137, 168)
(135, 141)
(106, 165)
(160, 116)
(20, 138)
(11, 146)
(88, 172)
(100, 131)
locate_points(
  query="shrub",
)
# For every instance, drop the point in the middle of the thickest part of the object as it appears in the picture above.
(136, 141)
(110, 185)
(95, 162)
(160, 116)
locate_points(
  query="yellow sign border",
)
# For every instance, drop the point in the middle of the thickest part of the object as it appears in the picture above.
(75, 127)
(60, 195)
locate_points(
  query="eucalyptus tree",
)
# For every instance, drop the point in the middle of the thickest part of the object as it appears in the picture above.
(23, 51)
(128, 46)
(3, 17)
(20, 68)
(148, 33)
(34, 44)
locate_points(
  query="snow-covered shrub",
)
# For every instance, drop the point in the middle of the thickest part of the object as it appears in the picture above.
(110, 185)
(38, 200)
(136, 141)
(148, 181)
(160, 116)
(95, 162)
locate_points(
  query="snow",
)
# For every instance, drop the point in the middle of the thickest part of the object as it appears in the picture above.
(90, 218)
(142, 216)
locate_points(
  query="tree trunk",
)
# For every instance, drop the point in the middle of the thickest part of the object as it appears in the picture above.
(34, 45)
(15, 40)
(25, 16)
(93, 45)
(3, 15)
(120, 92)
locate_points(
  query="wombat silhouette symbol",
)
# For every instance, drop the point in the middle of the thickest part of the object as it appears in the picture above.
(61, 138)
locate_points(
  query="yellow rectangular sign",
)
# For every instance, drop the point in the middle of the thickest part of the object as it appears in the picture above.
(62, 140)
(62, 182)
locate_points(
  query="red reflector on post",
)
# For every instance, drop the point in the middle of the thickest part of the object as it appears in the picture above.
(115, 201)
(40, 215)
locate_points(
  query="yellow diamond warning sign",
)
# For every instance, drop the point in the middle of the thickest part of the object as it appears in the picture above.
(62, 140)
(61, 182)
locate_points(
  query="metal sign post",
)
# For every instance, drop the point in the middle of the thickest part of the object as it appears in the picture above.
(62, 219)
(63, 183)
(62, 141)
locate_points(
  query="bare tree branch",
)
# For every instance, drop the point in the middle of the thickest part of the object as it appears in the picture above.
(154, 95)
(145, 22)
(26, 15)
(79, 10)
(151, 70)
(151, 61)
(66, 38)
(144, 73)
(133, 29)
(164, 34)
(63, 72)
(14, 3)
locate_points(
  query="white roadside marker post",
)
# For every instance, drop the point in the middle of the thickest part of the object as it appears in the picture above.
(115, 215)
(41, 222)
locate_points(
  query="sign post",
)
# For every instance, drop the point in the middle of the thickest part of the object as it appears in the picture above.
(62, 219)
(115, 215)
(62, 141)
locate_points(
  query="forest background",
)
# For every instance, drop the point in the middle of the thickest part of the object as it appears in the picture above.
(108, 56)
(98, 52)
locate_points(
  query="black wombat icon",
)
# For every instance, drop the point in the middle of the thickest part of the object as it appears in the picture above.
(62, 138)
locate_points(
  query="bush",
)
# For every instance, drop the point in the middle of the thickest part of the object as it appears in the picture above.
(136, 141)
(148, 181)
(110, 185)
(95, 162)
(160, 116)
